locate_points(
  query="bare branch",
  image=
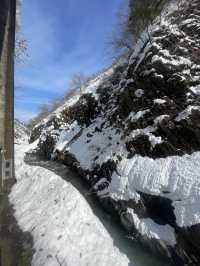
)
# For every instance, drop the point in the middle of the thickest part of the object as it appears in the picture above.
(21, 49)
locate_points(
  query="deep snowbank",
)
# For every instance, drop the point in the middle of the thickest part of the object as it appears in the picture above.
(177, 178)
(63, 226)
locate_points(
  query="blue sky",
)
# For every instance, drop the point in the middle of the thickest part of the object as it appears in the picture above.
(64, 37)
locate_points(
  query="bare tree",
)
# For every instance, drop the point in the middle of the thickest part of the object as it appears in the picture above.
(121, 39)
(142, 15)
(44, 111)
(132, 23)
(21, 48)
(78, 81)
(21, 45)
(70, 93)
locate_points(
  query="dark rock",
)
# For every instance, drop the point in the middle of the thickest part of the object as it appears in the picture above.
(84, 110)
(188, 244)
(46, 147)
(35, 133)
(104, 171)
(159, 209)
(70, 160)
(89, 135)
(138, 207)
(140, 144)
(97, 129)
(165, 149)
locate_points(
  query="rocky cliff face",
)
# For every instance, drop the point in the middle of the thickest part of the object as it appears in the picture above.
(134, 135)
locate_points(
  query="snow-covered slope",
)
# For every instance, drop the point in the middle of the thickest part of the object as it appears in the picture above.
(64, 228)
(135, 136)
(21, 132)
(58, 114)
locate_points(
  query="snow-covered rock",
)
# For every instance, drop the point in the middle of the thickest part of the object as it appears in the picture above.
(21, 132)
(139, 145)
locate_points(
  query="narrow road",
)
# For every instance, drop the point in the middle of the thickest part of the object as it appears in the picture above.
(68, 227)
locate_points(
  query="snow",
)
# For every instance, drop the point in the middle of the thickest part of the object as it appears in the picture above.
(101, 145)
(178, 175)
(137, 49)
(196, 89)
(160, 118)
(186, 113)
(175, 62)
(142, 131)
(196, 79)
(67, 135)
(21, 132)
(188, 21)
(118, 189)
(159, 101)
(154, 140)
(135, 116)
(148, 72)
(159, 76)
(63, 226)
(147, 227)
(143, 54)
(129, 81)
(165, 52)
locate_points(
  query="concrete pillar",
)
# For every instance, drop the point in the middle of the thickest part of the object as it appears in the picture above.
(13, 251)
(7, 44)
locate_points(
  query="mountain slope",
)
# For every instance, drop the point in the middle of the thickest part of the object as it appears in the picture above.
(135, 136)
(21, 132)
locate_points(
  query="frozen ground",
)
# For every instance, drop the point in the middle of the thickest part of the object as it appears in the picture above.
(65, 229)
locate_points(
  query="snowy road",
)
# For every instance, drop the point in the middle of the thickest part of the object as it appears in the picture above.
(65, 229)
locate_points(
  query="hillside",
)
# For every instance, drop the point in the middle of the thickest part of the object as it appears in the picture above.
(134, 136)
(21, 132)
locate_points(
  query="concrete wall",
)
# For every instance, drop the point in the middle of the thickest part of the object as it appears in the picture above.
(7, 42)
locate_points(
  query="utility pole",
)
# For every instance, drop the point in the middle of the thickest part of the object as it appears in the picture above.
(7, 47)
